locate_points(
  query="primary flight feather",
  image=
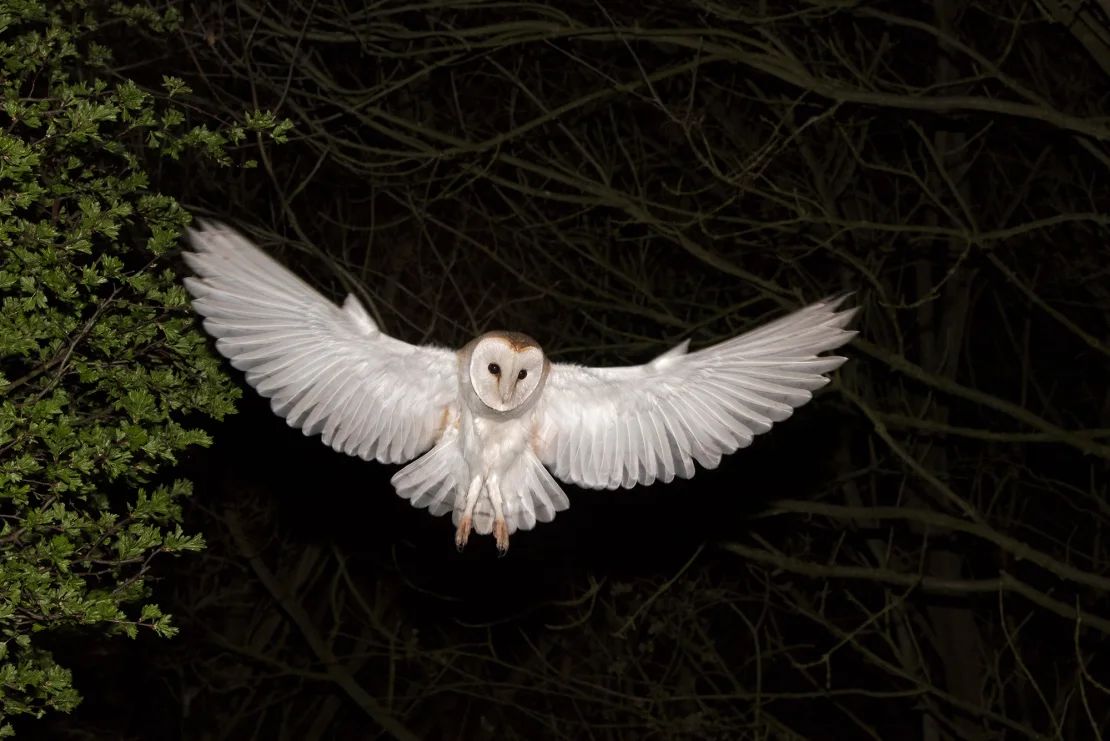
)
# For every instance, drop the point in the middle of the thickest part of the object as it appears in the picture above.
(490, 423)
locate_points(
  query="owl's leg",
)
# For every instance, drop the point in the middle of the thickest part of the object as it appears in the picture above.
(500, 528)
(463, 531)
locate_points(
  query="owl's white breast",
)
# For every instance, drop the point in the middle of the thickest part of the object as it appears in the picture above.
(491, 444)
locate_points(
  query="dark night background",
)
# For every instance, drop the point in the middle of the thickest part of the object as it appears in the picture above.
(921, 552)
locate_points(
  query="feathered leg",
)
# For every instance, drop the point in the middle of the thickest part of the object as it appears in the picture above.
(500, 527)
(463, 532)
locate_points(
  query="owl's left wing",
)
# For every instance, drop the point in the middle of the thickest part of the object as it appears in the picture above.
(327, 369)
(609, 427)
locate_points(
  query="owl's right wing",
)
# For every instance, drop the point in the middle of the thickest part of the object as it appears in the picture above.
(327, 369)
(609, 427)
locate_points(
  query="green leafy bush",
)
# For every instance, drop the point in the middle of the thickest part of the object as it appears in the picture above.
(102, 370)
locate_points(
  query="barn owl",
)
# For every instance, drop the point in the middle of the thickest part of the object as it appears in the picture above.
(487, 429)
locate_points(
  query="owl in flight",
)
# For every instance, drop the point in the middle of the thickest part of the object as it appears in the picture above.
(490, 424)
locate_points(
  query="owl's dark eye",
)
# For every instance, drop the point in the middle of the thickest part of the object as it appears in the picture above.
(495, 369)
(522, 375)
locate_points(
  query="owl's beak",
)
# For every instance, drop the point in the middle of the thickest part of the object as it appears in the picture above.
(506, 392)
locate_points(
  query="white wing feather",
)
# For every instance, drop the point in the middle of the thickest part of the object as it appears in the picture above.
(327, 369)
(610, 427)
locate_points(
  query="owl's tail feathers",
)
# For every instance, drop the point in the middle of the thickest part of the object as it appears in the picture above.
(432, 480)
(530, 494)
(437, 480)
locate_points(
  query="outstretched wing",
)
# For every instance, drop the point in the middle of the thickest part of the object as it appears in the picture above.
(609, 427)
(327, 369)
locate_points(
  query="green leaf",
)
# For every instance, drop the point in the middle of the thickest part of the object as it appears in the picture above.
(103, 371)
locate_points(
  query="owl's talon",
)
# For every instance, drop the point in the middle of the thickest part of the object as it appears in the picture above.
(462, 534)
(501, 533)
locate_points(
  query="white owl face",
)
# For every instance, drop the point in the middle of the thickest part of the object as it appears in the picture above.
(506, 370)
